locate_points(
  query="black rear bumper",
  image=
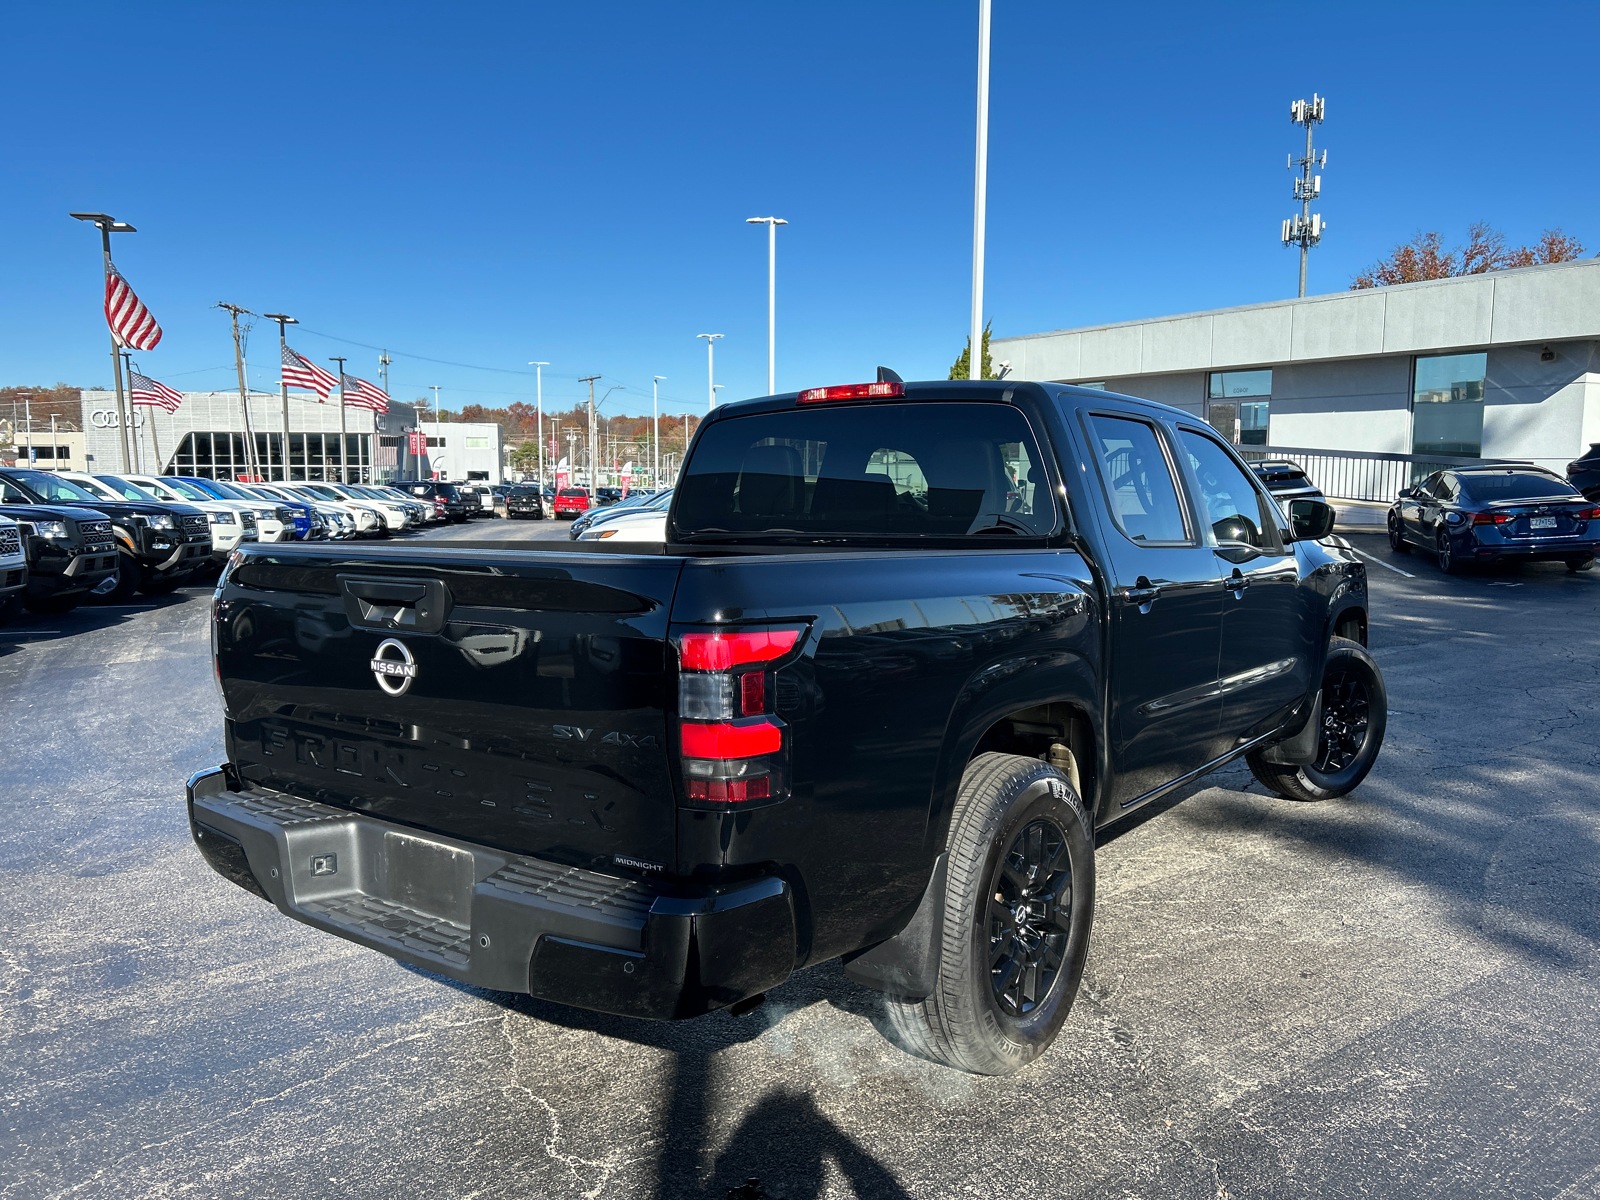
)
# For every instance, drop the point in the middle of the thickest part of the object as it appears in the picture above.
(494, 919)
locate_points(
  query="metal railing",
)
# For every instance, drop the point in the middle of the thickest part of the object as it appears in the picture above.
(1363, 474)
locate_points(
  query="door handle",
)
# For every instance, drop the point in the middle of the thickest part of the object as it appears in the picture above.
(1143, 593)
(1236, 583)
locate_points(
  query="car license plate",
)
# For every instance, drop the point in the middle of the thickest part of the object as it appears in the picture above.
(1542, 523)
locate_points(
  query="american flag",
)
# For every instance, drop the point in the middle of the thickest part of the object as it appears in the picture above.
(130, 321)
(358, 393)
(302, 372)
(148, 391)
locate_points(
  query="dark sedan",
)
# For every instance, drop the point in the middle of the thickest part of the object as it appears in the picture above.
(1583, 473)
(1496, 514)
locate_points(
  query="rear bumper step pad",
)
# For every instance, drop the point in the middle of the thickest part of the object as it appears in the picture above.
(495, 919)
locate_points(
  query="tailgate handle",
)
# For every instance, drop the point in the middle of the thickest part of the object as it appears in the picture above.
(418, 605)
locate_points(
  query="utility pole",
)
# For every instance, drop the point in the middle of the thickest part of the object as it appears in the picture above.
(107, 225)
(343, 478)
(538, 381)
(980, 195)
(1306, 230)
(711, 373)
(772, 224)
(589, 379)
(284, 319)
(383, 369)
(233, 310)
(655, 402)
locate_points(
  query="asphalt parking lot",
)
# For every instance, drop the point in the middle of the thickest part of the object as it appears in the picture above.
(1394, 994)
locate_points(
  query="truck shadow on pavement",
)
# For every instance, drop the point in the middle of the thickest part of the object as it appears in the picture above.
(782, 1146)
(29, 628)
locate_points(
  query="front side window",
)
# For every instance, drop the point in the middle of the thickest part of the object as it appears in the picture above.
(1236, 513)
(896, 470)
(1138, 480)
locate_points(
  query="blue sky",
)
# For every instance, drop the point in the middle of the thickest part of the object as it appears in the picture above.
(491, 184)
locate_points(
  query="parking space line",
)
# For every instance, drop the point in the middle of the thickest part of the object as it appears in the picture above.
(1381, 563)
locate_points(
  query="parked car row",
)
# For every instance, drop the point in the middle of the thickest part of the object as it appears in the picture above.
(66, 535)
(1497, 514)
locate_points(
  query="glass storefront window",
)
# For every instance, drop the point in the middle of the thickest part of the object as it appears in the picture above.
(1447, 404)
(1238, 405)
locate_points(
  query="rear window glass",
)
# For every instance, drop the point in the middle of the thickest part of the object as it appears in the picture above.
(573, 492)
(1516, 485)
(917, 470)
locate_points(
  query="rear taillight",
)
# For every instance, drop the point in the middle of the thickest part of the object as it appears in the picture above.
(1589, 514)
(732, 743)
(1492, 518)
(852, 391)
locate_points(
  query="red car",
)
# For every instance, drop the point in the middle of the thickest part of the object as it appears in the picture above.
(572, 501)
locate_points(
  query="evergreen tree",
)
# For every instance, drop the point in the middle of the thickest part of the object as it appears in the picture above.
(959, 370)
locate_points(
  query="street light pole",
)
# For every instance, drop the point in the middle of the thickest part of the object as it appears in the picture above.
(27, 415)
(538, 382)
(980, 195)
(107, 225)
(655, 402)
(772, 224)
(711, 374)
(283, 319)
(343, 478)
(434, 388)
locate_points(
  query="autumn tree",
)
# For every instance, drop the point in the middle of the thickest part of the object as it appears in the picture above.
(1424, 257)
(64, 402)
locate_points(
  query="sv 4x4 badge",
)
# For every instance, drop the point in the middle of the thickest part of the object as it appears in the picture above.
(394, 674)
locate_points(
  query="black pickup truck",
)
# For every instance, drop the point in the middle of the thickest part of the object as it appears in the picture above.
(71, 552)
(906, 648)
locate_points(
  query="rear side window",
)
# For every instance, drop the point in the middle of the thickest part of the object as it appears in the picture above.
(894, 470)
(1138, 480)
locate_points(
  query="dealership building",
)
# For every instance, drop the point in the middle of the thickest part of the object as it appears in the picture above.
(207, 437)
(1504, 365)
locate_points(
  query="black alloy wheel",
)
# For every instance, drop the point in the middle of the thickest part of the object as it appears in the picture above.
(1352, 714)
(1446, 553)
(1030, 917)
(1346, 718)
(1397, 536)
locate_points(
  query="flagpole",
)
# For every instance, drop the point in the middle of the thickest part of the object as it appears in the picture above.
(124, 411)
(283, 384)
(342, 477)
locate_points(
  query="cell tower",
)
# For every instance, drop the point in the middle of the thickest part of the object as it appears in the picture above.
(1304, 229)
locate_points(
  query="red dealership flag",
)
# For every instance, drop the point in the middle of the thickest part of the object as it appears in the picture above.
(358, 393)
(157, 395)
(419, 442)
(130, 321)
(302, 372)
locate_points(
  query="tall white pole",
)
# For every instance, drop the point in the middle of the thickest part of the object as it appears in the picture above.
(980, 191)
(538, 375)
(434, 387)
(772, 307)
(711, 374)
(655, 400)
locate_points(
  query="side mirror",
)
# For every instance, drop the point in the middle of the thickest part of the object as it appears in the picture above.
(1310, 520)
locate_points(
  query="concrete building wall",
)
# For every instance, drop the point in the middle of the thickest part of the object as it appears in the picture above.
(1342, 364)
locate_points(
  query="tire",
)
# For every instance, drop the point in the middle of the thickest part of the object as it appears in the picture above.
(1355, 712)
(130, 578)
(980, 1017)
(1397, 536)
(9, 608)
(55, 605)
(1579, 562)
(1446, 554)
